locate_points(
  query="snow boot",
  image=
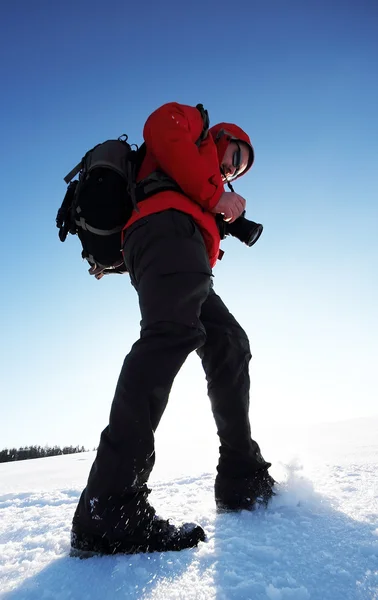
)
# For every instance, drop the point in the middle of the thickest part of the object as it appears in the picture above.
(245, 493)
(158, 536)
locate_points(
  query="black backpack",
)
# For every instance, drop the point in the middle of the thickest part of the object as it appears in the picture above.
(99, 203)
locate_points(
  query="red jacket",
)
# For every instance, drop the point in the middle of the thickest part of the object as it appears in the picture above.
(170, 134)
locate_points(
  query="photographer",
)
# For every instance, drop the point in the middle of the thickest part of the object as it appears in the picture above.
(171, 244)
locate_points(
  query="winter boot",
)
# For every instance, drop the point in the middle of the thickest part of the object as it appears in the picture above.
(158, 536)
(245, 493)
(128, 525)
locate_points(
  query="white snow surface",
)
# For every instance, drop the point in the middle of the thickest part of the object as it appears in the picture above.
(318, 539)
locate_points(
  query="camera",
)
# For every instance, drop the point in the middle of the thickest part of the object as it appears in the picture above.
(243, 229)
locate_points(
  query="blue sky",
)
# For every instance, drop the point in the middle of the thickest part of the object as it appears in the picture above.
(302, 79)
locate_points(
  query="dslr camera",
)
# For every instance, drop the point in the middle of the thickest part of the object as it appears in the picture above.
(245, 230)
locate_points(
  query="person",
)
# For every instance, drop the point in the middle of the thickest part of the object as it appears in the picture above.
(171, 243)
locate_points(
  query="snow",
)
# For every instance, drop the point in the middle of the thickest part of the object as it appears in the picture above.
(318, 540)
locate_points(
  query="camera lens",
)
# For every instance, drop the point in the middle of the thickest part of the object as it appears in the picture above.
(245, 230)
(254, 234)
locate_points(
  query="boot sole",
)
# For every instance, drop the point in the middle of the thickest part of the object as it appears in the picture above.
(259, 502)
(101, 547)
(82, 554)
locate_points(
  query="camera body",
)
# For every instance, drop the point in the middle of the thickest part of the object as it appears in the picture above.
(243, 229)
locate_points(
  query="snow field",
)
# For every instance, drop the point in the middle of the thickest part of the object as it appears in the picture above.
(318, 540)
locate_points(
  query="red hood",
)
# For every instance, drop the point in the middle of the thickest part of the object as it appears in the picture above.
(223, 133)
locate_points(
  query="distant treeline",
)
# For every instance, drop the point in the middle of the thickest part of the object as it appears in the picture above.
(11, 454)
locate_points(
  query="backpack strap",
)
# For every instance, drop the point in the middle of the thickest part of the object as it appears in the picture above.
(86, 227)
(156, 182)
(63, 218)
(74, 172)
(206, 123)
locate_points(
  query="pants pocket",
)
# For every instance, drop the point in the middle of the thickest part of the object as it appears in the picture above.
(183, 224)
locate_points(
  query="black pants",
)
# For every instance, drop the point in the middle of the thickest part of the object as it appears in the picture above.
(168, 264)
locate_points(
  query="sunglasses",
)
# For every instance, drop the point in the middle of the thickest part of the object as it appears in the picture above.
(236, 158)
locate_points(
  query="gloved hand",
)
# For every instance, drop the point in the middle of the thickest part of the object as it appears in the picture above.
(231, 205)
(99, 272)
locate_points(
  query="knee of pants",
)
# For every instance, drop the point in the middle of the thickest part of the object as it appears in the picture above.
(226, 346)
(241, 343)
(236, 353)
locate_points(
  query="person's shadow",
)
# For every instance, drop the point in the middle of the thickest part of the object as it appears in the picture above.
(300, 548)
(131, 577)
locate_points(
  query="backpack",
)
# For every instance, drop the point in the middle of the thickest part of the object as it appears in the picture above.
(98, 204)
